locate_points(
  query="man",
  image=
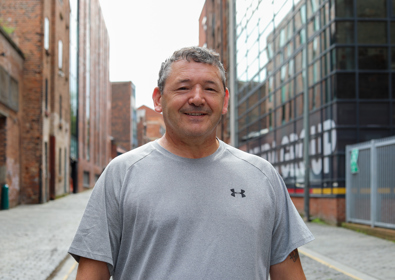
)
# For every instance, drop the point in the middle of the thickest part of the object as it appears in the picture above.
(188, 206)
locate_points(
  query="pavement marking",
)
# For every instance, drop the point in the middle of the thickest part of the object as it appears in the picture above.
(70, 271)
(357, 275)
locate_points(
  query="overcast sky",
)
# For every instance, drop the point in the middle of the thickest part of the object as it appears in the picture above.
(143, 33)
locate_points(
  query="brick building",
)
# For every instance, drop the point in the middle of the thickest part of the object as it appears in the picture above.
(91, 94)
(123, 115)
(213, 34)
(11, 78)
(150, 125)
(41, 30)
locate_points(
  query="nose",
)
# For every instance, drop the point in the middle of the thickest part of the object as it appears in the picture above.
(197, 96)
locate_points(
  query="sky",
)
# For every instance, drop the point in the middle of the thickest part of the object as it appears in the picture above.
(143, 33)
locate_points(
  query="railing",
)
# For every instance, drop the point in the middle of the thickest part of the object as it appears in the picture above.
(370, 183)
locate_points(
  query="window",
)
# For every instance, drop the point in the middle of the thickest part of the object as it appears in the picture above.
(343, 32)
(86, 181)
(372, 9)
(373, 86)
(344, 85)
(344, 8)
(46, 33)
(371, 32)
(60, 107)
(60, 54)
(60, 161)
(46, 94)
(374, 113)
(343, 58)
(372, 58)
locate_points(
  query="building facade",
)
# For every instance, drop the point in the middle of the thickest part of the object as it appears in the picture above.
(213, 34)
(41, 30)
(150, 125)
(11, 81)
(341, 54)
(123, 115)
(91, 94)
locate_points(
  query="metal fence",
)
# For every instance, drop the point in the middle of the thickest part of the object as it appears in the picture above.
(370, 183)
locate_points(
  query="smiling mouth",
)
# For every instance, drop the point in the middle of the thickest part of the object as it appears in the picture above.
(195, 114)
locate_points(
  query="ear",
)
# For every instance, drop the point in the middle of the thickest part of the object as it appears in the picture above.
(226, 102)
(156, 97)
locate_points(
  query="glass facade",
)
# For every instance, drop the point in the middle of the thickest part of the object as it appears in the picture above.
(350, 57)
(134, 143)
(73, 68)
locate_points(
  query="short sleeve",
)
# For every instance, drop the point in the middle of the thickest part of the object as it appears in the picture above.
(290, 231)
(98, 235)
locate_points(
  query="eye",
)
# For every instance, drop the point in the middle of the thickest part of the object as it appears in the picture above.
(182, 88)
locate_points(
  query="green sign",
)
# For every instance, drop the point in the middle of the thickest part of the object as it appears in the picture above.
(354, 160)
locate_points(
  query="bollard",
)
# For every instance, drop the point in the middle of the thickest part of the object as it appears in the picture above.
(4, 197)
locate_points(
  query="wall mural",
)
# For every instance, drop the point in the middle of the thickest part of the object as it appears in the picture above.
(288, 158)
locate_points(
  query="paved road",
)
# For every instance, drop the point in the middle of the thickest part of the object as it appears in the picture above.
(34, 240)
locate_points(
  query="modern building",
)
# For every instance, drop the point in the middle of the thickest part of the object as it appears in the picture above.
(340, 54)
(123, 116)
(90, 93)
(11, 122)
(150, 125)
(39, 29)
(213, 34)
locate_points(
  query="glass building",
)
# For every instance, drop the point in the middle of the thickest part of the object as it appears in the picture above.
(343, 53)
(73, 68)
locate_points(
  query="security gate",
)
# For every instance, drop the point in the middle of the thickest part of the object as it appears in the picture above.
(370, 183)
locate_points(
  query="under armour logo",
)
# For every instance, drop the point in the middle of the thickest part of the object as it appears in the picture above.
(234, 193)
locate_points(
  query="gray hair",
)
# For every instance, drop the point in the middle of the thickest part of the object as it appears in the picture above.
(197, 54)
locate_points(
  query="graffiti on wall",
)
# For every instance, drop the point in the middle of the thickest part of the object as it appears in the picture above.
(288, 156)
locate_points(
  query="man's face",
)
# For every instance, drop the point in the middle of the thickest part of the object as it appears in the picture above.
(192, 101)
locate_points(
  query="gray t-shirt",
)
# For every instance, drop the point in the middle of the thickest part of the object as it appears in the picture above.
(155, 215)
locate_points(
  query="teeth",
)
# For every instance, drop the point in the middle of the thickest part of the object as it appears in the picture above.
(194, 114)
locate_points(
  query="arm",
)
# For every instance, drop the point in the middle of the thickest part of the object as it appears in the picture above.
(91, 269)
(291, 268)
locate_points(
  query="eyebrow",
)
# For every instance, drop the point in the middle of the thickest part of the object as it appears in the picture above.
(188, 80)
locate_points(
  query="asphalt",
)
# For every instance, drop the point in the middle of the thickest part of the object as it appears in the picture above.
(34, 240)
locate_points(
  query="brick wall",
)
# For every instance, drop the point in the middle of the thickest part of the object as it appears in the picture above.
(43, 84)
(150, 125)
(331, 210)
(94, 100)
(26, 19)
(11, 63)
(60, 98)
(213, 31)
(121, 114)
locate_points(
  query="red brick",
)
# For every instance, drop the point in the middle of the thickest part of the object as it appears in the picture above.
(150, 125)
(331, 210)
(36, 123)
(99, 130)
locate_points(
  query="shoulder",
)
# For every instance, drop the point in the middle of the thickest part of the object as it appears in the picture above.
(249, 159)
(128, 159)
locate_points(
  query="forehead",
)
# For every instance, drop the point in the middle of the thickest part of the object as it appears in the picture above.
(183, 69)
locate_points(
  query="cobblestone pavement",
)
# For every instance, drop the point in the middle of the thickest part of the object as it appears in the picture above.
(371, 256)
(315, 270)
(34, 240)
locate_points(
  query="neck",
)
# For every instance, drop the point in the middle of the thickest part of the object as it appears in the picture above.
(194, 148)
